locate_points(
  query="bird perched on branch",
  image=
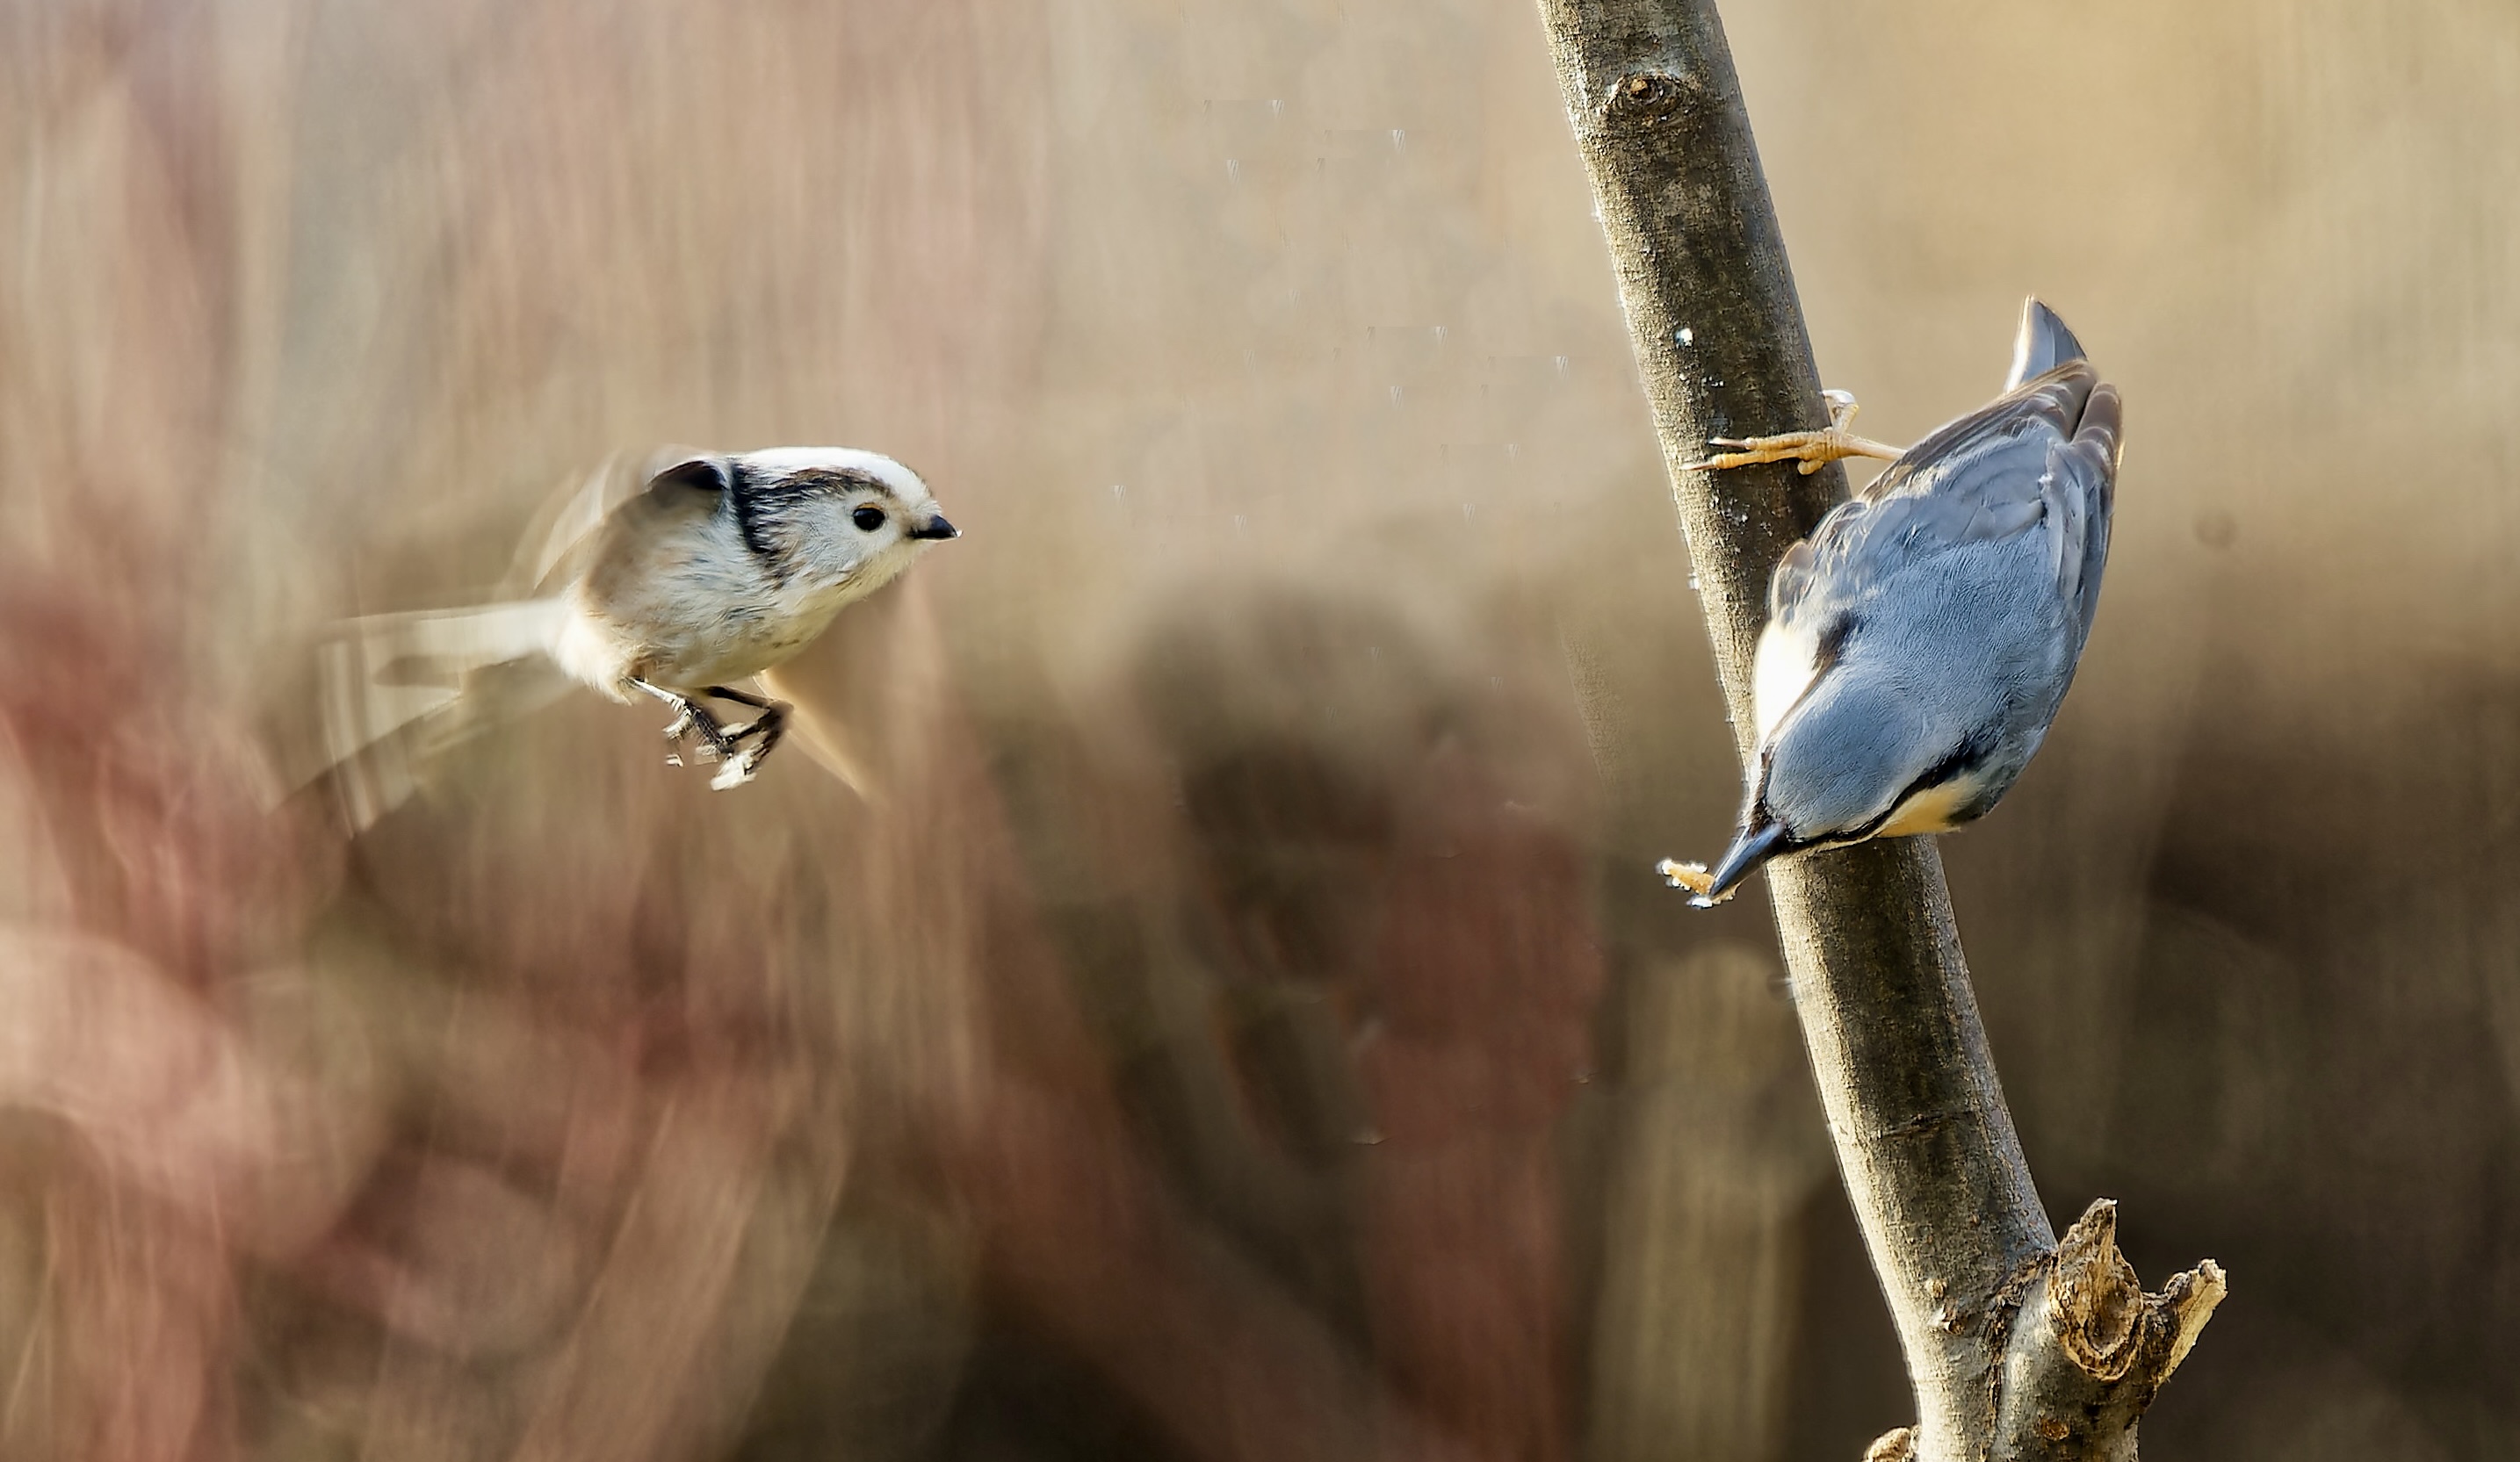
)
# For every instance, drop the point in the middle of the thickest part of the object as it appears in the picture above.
(1920, 641)
(677, 582)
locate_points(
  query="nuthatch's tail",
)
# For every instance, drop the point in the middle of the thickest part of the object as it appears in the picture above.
(2044, 344)
(399, 690)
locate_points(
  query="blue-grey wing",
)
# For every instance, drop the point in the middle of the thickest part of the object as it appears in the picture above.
(2083, 476)
(2043, 455)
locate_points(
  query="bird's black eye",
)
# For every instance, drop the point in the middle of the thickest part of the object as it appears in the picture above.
(868, 519)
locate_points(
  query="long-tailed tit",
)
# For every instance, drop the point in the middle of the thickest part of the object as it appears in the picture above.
(675, 583)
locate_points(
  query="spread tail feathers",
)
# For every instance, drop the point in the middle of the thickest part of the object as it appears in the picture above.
(398, 691)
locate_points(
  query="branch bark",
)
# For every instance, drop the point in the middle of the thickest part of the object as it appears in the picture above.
(2016, 1348)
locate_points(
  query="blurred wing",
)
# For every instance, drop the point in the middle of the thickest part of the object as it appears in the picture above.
(561, 539)
(872, 691)
(829, 739)
(863, 692)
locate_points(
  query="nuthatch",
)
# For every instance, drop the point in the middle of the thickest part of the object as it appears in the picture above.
(672, 583)
(1920, 641)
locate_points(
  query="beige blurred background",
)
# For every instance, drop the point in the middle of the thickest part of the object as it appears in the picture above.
(1244, 1026)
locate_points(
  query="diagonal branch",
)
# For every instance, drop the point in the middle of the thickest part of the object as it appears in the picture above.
(1964, 1252)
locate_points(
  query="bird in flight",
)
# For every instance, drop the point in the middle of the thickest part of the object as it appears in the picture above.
(678, 583)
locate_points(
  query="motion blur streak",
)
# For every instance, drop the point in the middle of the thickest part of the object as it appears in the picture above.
(1243, 1023)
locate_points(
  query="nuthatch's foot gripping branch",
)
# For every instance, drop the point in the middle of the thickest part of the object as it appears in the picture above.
(1813, 449)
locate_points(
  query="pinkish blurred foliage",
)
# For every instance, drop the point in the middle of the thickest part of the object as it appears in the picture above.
(572, 1113)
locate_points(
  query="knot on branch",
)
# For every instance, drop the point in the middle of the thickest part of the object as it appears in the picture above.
(1643, 99)
(1898, 1445)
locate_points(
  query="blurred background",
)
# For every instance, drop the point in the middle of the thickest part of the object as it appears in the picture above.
(1243, 1025)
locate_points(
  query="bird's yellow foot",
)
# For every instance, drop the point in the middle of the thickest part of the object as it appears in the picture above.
(1693, 877)
(1813, 449)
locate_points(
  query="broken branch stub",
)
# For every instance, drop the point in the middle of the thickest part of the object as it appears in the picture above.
(2088, 1348)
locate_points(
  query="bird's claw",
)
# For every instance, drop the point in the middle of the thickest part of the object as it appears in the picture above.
(1693, 877)
(739, 749)
(1809, 450)
(715, 745)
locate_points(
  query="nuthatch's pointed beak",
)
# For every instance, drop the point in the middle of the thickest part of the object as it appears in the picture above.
(936, 527)
(1753, 846)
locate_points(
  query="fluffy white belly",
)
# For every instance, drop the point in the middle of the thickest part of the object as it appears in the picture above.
(1787, 663)
(735, 643)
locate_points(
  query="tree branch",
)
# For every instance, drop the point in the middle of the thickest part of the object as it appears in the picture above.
(2008, 1338)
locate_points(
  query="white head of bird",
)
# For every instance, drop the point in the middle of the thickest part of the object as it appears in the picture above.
(828, 516)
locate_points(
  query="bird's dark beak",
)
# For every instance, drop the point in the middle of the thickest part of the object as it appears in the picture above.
(936, 527)
(1754, 845)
